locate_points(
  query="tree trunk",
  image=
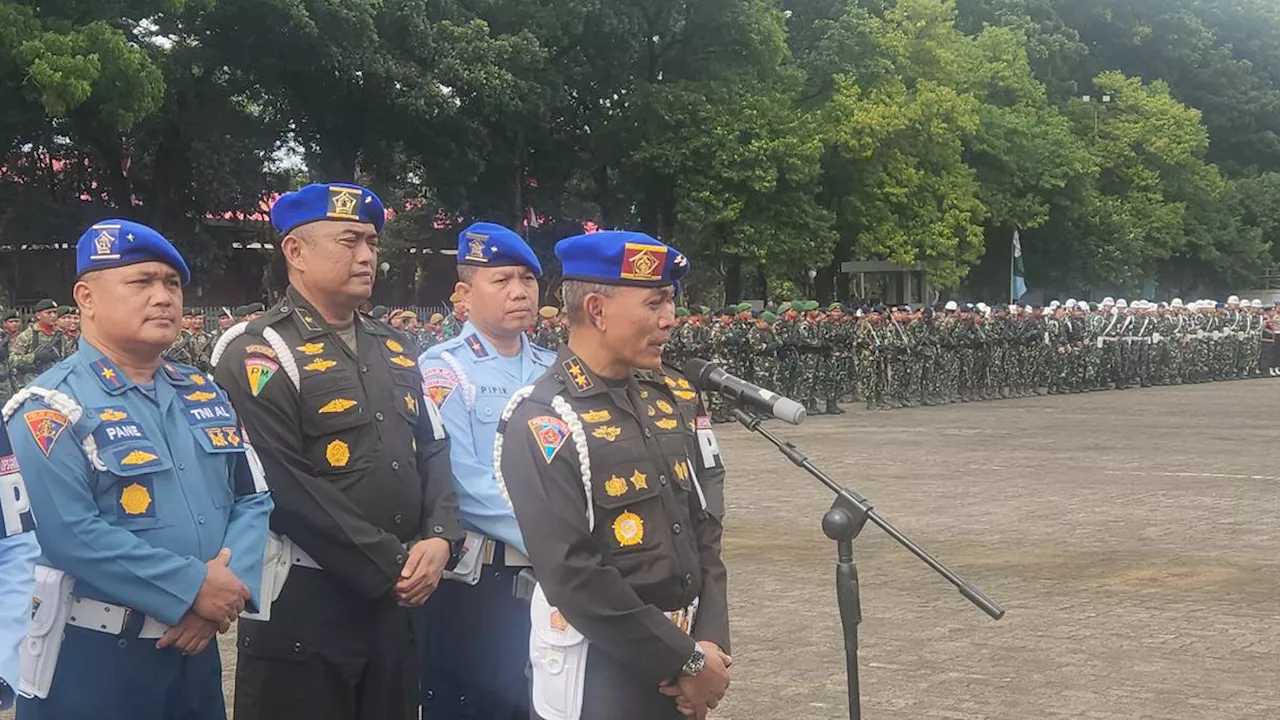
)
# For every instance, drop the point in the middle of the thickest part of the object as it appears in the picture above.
(732, 280)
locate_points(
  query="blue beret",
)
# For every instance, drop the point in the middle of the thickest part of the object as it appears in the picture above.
(619, 257)
(489, 245)
(331, 201)
(116, 243)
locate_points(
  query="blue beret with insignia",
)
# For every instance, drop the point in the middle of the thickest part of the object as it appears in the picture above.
(327, 201)
(485, 244)
(620, 257)
(116, 243)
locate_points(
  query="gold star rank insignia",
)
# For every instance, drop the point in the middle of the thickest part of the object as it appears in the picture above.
(615, 486)
(682, 471)
(411, 403)
(576, 374)
(640, 480)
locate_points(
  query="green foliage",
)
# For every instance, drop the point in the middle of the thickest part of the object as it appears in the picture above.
(764, 138)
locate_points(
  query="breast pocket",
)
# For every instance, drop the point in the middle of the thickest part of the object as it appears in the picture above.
(629, 516)
(130, 491)
(335, 421)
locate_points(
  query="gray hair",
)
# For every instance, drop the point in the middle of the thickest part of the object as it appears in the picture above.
(575, 293)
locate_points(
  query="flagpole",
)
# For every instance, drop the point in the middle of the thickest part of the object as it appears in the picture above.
(1012, 259)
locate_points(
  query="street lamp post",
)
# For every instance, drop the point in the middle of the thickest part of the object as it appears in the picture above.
(1106, 100)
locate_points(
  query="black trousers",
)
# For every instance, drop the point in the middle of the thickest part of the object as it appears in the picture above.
(474, 641)
(327, 654)
(611, 693)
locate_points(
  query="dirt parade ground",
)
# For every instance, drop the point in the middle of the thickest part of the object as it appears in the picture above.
(1131, 536)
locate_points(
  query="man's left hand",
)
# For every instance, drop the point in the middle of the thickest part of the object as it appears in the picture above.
(422, 571)
(191, 635)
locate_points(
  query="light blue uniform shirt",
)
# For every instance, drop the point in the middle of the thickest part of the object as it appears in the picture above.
(471, 383)
(18, 552)
(145, 486)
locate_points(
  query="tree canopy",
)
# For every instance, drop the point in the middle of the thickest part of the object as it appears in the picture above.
(1128, 142)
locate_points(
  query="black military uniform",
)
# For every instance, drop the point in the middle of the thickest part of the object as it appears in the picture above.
(655, 547)
(359, 467)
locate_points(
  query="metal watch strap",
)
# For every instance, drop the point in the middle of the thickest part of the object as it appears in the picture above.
(696, 662)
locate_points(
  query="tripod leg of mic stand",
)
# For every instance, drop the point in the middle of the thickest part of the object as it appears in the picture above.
(847, 595)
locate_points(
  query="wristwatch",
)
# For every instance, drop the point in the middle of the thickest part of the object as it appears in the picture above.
(696, 662)
(455, 554)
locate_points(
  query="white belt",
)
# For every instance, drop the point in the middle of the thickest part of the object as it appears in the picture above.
(298, 556)
(106, 618)
(511, 557)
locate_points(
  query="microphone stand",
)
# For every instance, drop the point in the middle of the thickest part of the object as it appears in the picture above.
(842, 523)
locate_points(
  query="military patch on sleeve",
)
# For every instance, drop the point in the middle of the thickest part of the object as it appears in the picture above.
(259, 370)
(550, 432)
(46, 427)
(437, 384)
(261, 350)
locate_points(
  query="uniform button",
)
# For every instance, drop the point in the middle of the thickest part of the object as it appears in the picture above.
(364, 368)
(488, 412)
(245, 643)
(462, 699)
(200, 519)
(676, 528)
(647, 433)
(687, 579)
(380, 416)
(398, 518)
(284, 309)
(437, 529)
(400, 559)
(297, 648)
(122, 643)
(395, 464)
(431, 694)
(182, 466)
(662, 479)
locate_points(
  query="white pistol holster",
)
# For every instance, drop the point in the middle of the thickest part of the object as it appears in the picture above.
(558, 654)
(51, 606)
(276, 563)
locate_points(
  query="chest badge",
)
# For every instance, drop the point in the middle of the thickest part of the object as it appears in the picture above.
(615, 486)
(628, 529)
(411, 403)
(112, 414)
(596, 416)
(135, 499)
(337, 405)
(138, 457)
(667, 423)
(664, 406)
(338, 453)
(319, 365)
(311, 348)
(394, 346)
(607, 432)
(403, 361)
(640, 480)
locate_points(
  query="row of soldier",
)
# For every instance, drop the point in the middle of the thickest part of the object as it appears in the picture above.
(893, 357)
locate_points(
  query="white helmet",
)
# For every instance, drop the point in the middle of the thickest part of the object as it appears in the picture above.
(1122, 304)
(1107, 301)
(1055, 303)
(1233, 300)
(1177, 302)
(982, 307)
(1255, 303)
(951, 305)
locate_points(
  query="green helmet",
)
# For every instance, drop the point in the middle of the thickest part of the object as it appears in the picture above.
(682, 312)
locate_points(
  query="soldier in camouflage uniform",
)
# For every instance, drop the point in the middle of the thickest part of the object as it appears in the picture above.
(831, 332)
(183, 349)
(870, 337)
(38, 347)
(545, 333)
(764, 345)
(12, 326)
(452, 325)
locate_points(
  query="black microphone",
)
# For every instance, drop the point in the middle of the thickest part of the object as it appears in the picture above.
(712, 378)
